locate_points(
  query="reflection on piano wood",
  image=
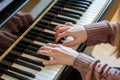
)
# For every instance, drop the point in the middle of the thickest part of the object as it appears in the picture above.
(20, 61)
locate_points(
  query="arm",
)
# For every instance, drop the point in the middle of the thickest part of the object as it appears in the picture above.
(91, 68)
(102, 32)
(94, 33)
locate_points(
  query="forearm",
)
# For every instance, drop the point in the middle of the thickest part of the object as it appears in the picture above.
(102, 32)
(91, 68)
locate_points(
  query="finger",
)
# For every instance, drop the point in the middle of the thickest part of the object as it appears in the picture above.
(101, 68)
(46, 48)
(52, 45)
(114, 72)
(61, 35)
(61, 29)
(43, 52)
(118, 75)
(106, 70)
(51, 62)
(69, 24)
(71, 43)
(57, 27)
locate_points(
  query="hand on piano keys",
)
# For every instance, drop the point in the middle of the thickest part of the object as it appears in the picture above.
(79, 34)
(60, 54)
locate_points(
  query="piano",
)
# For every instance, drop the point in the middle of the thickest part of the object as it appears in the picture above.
(20, 61)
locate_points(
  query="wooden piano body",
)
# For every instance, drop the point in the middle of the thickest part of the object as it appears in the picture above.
(48, 14)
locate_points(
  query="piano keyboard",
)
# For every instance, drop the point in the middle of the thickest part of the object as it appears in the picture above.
(23, 63)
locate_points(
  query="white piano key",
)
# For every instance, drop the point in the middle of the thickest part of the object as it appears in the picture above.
(6, 77)
(39, 43)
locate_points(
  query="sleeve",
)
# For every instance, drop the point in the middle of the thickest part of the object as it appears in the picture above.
(92, 69)
(101, 32)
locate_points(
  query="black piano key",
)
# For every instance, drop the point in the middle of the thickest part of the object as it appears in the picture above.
(44, 36)
(72, 12)
(29, 74)
(49, 18)
(25, 59)
(41, 26)
(33, 48)
(41, 40)
(43, 22)
(39, 63)
(9, 59)
(26, 41)
(59, 21)
(17, 70)
(36, 46)
(48, 34)
(17, 76)
(14, 55)
(29, 52)
(34, 32)
(35, 67)
(19, 49)
(66, 19)
(66, 13)
(87, 2)
(76, 8)
(52, 25)
(46, 25)
(60, 18)
(30, 37)
(2, 70)
(71, 7)
(22, 45)
(36, 29)
(64, 2)
(79, 5)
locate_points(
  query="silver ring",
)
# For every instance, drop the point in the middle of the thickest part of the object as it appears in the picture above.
(50, 52)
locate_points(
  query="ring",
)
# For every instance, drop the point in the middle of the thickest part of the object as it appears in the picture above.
(50, 52)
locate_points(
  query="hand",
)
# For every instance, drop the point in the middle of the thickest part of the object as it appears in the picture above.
(78, 33)
(59, 53)
(6, 39)
(19, 20)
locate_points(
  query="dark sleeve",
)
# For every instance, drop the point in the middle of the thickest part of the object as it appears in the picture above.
(102, 32)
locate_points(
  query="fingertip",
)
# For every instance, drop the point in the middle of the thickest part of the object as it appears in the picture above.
(46, 63)
(69, 23)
